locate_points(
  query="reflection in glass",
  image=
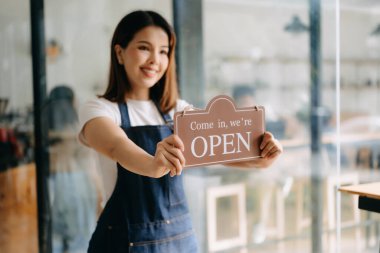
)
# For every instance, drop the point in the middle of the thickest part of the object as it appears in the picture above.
(227, 217)
(73, 194)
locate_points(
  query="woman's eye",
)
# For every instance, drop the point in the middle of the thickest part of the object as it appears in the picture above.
(164, 52)
(143, 48)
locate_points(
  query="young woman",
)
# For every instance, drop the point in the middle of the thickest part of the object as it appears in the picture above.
(141, 159)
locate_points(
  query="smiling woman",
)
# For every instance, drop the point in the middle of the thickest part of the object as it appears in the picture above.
(145, 60)
(146, 208)
(129, 128)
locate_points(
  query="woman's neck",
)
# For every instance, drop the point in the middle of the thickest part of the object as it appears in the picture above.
(142, 95)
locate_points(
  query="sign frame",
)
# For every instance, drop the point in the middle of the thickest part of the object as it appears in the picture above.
(209, 122)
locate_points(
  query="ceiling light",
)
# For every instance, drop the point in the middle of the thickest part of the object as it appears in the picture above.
(296, 26)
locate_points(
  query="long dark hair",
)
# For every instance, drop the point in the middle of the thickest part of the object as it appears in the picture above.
(165, 91)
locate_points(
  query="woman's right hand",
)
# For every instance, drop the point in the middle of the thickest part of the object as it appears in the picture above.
(169, 157)
(109, 139)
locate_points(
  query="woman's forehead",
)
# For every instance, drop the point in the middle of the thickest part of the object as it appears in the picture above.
(152, 34)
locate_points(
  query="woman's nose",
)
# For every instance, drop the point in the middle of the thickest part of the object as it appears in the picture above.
(154, 58)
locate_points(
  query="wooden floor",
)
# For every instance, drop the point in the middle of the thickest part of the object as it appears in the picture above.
(18, 211)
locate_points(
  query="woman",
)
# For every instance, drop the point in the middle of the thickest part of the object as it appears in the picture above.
(146, 209)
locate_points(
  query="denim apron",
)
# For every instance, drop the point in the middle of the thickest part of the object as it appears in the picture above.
(144, 214)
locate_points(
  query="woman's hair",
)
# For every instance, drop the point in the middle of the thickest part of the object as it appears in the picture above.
(165, 91)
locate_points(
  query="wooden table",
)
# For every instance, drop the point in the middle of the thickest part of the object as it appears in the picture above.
(18, 210)
(369, 195)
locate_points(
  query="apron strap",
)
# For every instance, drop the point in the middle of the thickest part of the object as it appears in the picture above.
(168, 120)
(125, 121)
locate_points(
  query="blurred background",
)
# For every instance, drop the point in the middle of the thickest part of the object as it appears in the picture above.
(281, 54)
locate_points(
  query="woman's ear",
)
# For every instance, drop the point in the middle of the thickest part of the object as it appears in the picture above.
(118, 52)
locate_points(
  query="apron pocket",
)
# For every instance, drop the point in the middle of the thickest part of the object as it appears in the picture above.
(176, 192)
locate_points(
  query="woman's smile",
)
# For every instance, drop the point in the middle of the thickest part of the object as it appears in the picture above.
(149, 72)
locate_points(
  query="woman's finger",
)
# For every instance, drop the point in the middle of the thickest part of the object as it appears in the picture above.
(274, 154)
(268, 148)
(275, 150)
(266, 138)
(172, 163)
(175, 152)
(175, 141)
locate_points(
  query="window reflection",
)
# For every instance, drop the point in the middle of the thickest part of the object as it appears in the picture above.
(72, 176)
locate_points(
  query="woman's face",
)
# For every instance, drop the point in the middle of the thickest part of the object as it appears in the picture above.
(145, 60)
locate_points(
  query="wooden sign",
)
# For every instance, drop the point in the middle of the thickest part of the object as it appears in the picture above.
(221, 133)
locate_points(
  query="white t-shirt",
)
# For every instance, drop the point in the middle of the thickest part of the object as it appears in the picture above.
(141, 113)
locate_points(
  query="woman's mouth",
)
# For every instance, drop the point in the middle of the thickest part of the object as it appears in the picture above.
(148, 72)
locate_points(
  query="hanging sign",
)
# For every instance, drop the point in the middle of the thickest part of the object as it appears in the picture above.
(221, 133)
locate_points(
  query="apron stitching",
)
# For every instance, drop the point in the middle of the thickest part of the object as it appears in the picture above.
(159, 222)
(172, 238)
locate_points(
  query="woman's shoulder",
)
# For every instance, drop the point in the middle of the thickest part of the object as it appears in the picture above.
(100, 104)
(94, 108)
(100, 101)
(181, 105)
(97, 107)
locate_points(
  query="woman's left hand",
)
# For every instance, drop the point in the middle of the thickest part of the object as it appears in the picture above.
(270, 148)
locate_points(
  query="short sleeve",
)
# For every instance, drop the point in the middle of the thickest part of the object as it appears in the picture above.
(95, 108)
(181, 104)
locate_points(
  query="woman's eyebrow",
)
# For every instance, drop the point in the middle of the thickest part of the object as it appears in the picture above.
(143, 42)
(147, 42)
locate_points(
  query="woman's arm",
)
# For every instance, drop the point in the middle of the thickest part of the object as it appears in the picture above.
(107, 138)
(270, 150)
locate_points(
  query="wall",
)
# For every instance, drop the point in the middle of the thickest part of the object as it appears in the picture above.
(15, 54)
(258, 52)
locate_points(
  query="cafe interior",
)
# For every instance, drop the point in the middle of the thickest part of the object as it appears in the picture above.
(314, 65)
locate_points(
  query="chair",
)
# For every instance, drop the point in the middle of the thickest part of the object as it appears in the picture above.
(226, 217)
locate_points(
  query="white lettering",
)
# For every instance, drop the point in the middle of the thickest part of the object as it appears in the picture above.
(205, 148)
(213, 144)
(201, 126)
(235, 123)
(245, 142)
(228, 143)
(232, 143)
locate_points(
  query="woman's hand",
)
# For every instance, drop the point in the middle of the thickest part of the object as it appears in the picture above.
(169, 157)
(109, 139)
(270, 148)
